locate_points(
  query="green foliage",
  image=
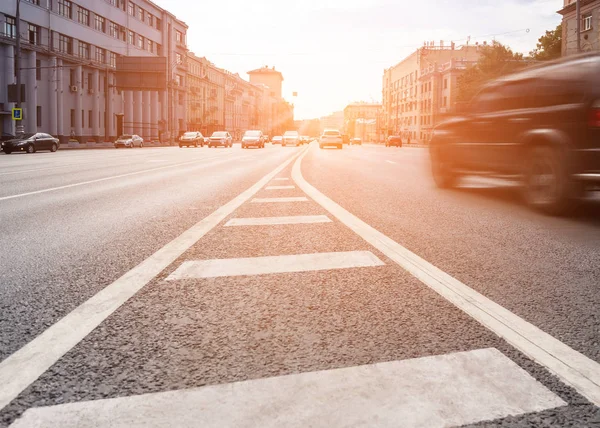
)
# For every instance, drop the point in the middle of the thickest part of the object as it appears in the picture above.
(549, 45)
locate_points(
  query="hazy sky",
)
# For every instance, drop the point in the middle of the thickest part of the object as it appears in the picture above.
(333, 52)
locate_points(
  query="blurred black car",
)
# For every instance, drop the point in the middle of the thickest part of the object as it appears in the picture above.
(393, 140)
(540, 125)
(6, 136)
(30, 143)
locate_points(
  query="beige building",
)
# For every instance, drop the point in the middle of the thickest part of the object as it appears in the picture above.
(589, 26)
(333, 121)
(362, 120)
(206, 96)
(406, 96)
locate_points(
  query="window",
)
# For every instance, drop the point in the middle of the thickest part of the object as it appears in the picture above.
(90, 81)
(33, 32)
(445, 102)
(140, 42)
(90, 117)
(178, 36)
(586, 22)
(38, 113)
(38, 70)
(35, 2)
(112, 59)
(84, 50)
(72, 118)
(178, 80)
(113, 29)
(65, 8)
(140, 14)
(131, 37)
(178, 58)
(83, 16)
(149, 46)
(158, 49)
(10, 27)
(445, 83)
(83, 118)
(131, 9)
(65, 44)
(158, 23)
(100, 23)
(150, 18)
(100, 55)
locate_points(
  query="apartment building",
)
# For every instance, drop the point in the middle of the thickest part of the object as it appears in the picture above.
(589, 26)
(406, 96)
(68, 63)
(333, 121)
(362, 120)
(206, 95)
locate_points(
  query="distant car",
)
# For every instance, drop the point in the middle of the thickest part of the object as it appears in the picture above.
(267, 138)
(130, 141)
(356, 141)
(220, 139)
(331, 137)
(393, 141)
(277, 140)
(192, 138)
(254, 139)
(30, 143)
(291, 138)
(540, 126)
(345, 139)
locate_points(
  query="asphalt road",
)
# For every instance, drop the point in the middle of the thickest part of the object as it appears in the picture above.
(121, 275)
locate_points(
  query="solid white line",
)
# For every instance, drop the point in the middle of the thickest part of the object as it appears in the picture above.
(460, 388)
(274, 264)
(279, 187)
(389, 161)
(99, 180)
(268, 221)
(269, 200)
(281, 179)
(572, 367)
(22, 368)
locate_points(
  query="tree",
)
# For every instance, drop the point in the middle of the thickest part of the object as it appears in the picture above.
(495, 61)
(549, 46)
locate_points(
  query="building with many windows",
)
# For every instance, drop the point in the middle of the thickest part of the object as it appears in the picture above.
(362, 120)
(68, 62)
(589, 26)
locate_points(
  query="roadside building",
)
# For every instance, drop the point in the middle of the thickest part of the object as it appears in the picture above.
(589, 26)
(68, 62)
(333, 121)
(361, 120)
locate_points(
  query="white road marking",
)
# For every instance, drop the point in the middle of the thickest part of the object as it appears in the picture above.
(572, 367)
(270, 200)
(389, 161)
(274, 264)
(268, 221)
(281, 179)
(23, 367)
(279, 187)
(429, 392)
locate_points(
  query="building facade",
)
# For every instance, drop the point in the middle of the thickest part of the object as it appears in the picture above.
(333, 121)
(362, 120)
(68, 62)
(589, 26)
(407, 98)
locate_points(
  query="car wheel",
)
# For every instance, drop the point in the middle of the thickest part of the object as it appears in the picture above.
(441, 169)
(7, 151)
(30, 148)
(54, 147)
(548, 187)
(141, 144)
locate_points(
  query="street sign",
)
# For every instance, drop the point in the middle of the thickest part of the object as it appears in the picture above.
(17, 114)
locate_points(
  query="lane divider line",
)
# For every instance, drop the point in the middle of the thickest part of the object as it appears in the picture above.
(572, 367)
(279, 187)
(270, 221)
(279, 200)
(24, 366)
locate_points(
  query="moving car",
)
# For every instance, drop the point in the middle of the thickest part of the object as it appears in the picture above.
(30, 143)
(277, 140)
(540, 125)
(393, 140)
(356, 141)
(291, 138)
(220, 139)
(345, 139)
(192, 138)
(254, 139)
(331, 137)
(129, 141)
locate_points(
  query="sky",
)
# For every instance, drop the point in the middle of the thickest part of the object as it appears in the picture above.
(333, 52)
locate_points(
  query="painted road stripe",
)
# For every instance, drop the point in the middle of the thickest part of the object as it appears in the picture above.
(274, 264)
(272, 200)
(268, 221)
(281, 179)
(572, 367)
(429, 392)
(392, 162)
(279, 187)
(22, 368)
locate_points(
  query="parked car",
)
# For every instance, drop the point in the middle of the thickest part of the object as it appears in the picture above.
(540, 125)
(277, 140)
(192, 138)
(30, 143)
(394, 141)
(220, 139)
(254, 139)
(331, 137)
(129, 141)
(356, 141)
(6, 136)
(291, 138)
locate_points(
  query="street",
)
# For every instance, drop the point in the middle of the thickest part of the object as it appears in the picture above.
(289, 286)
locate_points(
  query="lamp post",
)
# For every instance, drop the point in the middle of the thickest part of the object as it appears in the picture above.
(19, 128)
(578, 25)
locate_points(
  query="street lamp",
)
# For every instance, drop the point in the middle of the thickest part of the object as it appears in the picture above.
(19, 127)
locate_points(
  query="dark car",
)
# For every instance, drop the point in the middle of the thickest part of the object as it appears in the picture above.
(393, 140)
(541, 125)
(31, 143)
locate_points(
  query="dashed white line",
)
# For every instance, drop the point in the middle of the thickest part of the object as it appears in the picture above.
(281, 179)
(279, 187)
(392, 162)
(270, 221)
(279, 200)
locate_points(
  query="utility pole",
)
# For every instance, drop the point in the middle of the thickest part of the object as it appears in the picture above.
(578, 26)
(20, 128)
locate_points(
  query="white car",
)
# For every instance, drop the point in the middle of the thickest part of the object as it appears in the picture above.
(291, 138)
(331, 137)
(130, 141)
(278, 139)
(220, 139)
(254, 139)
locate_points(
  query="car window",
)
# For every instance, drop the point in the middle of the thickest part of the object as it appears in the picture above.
(487, 100)
(516, 95)
(555, 91)
(332, 133)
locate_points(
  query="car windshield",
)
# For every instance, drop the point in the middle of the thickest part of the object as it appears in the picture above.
(125, 137)
(290, 134)
(190, 134)
(219, 134)
(25, 136)
(332, 133)
(252, 134)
